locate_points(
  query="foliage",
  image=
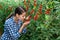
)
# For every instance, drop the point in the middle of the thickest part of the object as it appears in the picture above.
(45, 18)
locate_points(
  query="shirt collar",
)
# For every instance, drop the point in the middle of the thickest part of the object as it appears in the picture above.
(19, 21)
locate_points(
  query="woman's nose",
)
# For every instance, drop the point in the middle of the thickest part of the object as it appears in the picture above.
(24, 17)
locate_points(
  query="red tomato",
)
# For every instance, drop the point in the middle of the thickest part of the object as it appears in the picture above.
(36, 17)
(34, 0)
(40, 5)
(27, 8)
(25, 2)
(35, 4)
(28, 18)
(32, 11)
(47, 11)
(40, 9)
(28, 1)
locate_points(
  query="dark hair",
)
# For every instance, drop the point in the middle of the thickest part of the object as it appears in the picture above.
(19, 10)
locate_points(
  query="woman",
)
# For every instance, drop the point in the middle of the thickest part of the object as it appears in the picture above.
(14, 25)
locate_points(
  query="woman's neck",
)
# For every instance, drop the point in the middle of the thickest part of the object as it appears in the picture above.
(15, 19)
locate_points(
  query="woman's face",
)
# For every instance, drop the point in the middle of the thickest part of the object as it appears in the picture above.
(22, 16)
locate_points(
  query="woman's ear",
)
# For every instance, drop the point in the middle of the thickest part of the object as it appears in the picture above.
(17, 15)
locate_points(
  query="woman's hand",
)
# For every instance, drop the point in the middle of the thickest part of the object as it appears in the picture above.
(26, 23)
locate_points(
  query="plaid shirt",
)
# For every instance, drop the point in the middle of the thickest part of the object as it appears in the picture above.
(11, 30)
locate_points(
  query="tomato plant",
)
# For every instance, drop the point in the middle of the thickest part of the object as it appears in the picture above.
(43, 14)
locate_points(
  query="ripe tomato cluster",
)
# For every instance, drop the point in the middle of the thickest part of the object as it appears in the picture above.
(35, 3)
(47, 11)
(27, 7)
(32, 11)
(24, 2)
(36, 16)
(40, 9)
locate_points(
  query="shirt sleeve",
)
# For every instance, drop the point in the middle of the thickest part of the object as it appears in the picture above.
(11, 30)
(24, 30)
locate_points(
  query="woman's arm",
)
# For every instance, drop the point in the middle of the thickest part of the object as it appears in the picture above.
(23, 26)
